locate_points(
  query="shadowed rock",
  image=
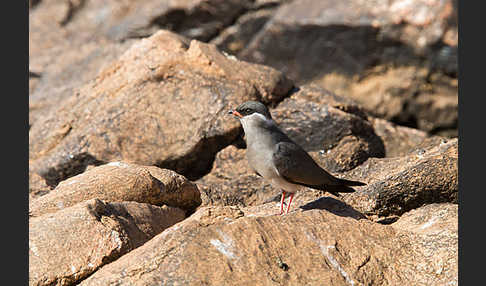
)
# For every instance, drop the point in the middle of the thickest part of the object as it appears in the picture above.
(37, 186)
(397, 59)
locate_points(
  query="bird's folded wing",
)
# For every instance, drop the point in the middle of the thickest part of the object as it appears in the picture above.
(298, 167)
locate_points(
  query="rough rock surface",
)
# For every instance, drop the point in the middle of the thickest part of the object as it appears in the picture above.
(119, 181)
(235, 38)
(405, 29)
(312, 247)
(37, 186)
(398, 140)
(397, 58)
(67, 246)
(431, 219)
(433, 230)
(409, 96)
(315, 131)
(396, 185)
(71, 41)
(161, 103)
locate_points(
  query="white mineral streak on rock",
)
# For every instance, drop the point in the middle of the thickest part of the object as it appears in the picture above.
(325, 251)
(226, 246)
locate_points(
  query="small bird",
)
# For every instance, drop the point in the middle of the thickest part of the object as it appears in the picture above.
(281, 161)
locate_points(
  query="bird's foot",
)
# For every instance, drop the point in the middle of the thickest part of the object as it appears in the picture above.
(282, 202)
(290, 201)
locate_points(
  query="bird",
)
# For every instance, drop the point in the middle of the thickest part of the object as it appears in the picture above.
(279, 160)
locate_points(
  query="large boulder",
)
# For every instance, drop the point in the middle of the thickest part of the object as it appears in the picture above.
(428, 174)
(37, 186)
(312, 247)
(161, 103)
(236, 37)
(67, 246)
(433, 232)
(398, 140)
(71, 41)
(117, 182)
(396, 58)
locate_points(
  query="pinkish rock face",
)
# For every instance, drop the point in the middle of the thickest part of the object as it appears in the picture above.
(118, 182)
(239, 245)
(67, 246)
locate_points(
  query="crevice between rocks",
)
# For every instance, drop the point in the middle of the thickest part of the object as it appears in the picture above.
(197, 23)
(33, 3)
(199, 161)
(73, 166)
(73, 7)
(186, 22)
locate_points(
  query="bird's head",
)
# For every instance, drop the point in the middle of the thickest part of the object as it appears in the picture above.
(251, 108)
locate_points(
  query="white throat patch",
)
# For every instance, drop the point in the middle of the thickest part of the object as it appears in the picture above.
(254, 120)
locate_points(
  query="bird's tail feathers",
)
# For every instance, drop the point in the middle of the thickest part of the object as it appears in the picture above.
(339, 186)
(338, 189)
(350, 183)
(343, 187)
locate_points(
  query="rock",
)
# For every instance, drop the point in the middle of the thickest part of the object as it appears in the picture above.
(392, 27)
(117, 182)
(236, 37)
(161, 103)
(398, 59)
(433, 230)
(66, 72)
(66, 50)
(430, 220)
(398, 140)
(37, 186)
(397, 185)
(67, 246)
(312, 247)
(200, 20)
(70, 41)
(407, 96)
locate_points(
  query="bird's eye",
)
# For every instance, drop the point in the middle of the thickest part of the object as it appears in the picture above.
(247, 110)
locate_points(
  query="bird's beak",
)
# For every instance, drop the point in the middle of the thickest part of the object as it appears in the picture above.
(235, 113)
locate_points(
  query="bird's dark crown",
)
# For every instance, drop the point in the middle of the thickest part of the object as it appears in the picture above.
(250, 107)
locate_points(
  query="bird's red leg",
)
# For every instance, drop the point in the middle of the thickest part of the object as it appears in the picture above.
(290, 201)
(282, 202)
